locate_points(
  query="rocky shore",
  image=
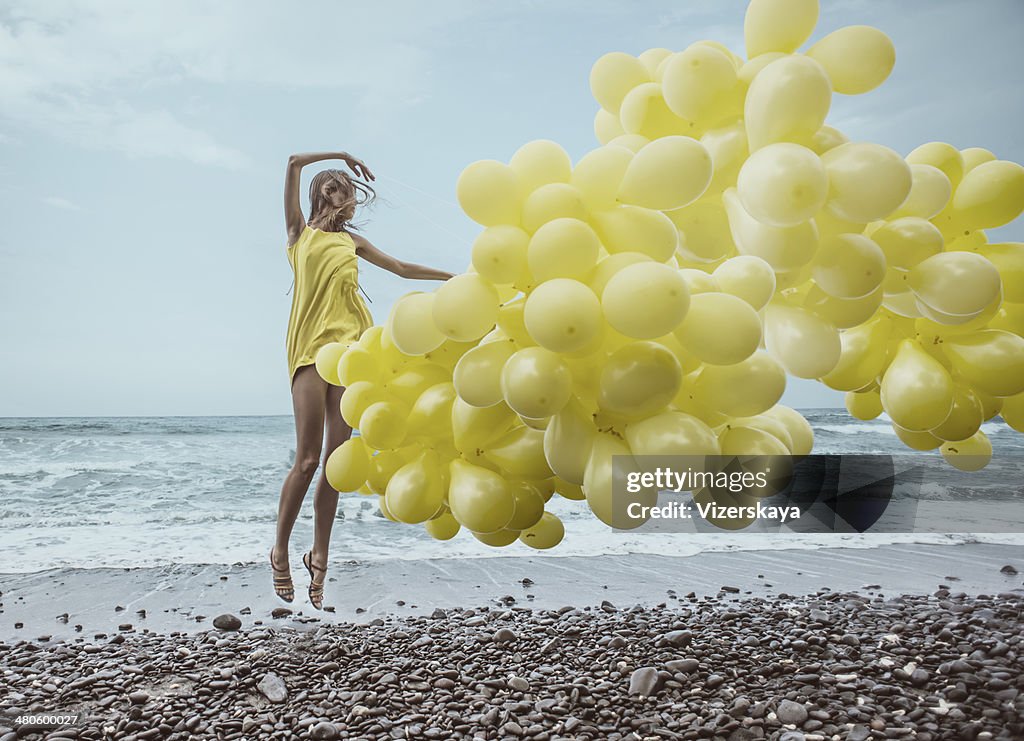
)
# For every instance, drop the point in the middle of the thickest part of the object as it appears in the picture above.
(851, 665)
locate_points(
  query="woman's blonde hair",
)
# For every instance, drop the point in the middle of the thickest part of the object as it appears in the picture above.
(338, 219)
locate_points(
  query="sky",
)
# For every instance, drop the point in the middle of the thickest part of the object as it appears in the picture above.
(143, 149)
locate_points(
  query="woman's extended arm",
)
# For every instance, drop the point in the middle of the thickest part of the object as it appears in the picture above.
(366, 250)
(293, 219)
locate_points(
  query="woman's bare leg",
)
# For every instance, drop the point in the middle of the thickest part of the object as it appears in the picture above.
(325, 500)
(309, 392)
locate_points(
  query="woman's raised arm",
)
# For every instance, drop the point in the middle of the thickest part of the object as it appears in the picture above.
(366, 250)
(293, 219)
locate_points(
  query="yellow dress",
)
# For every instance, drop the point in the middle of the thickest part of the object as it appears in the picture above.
(326, 306)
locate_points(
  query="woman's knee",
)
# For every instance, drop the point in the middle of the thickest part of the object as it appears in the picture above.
(306, 466)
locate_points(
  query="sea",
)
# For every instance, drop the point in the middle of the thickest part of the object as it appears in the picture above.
(92, 492)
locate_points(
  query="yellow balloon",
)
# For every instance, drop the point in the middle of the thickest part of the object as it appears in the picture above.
(449, 352)
(599, 478)
(801, 435)
(700, 85)
(1010, 318)
(843, 313)
(357, 397)
(613, 75)
(520, 452)
(563, 248)
(609, 266)
(633, 142)
(750, 69)
(672, 433)
(863, 356)
(1013, 412)
(916, 390)
(747, 277)
(477, 376)
(787, 101)
(917, 440)
(511, 322)
(499, 253)
(348, 465)
(990, 195)
(857, 58)
(358, 364)
(326, 361)
(480, 500)
(473, 428)
(442, 527)
(697, 281)
(411, 326)
(465, 307)
(990, 405)
(930, 192)
(849, 266)
(382, 467)
(743, 389)
(974, 156)
(550, 202)
(529, 505)
(864, 405)
(567, 441)
(599, 173)
(867, 181)
(638, 380)
(547, 533)
(382, 504)
(992, 360)
(607, 126)
(540, 162)
(972, 454)
(1008, 257)
(782, 184)
(645, 300)
(414, 493)
(957, 283)
(907, 241)
(652, 59)
(668, 173)
(535, 382)
(728, 148)
(563, 315)
(783, 248)
(636, 229)
(720, 328)
(645, 112)
(414, 380)
(778, 25)
(703, 231)
(431, 415)
(827, 138)
(806, 345)
(488, 192)
(942, 156)
(965, 418)
(744, 441)
(383, 425)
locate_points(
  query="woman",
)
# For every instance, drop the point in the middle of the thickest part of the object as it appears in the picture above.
(326, 307)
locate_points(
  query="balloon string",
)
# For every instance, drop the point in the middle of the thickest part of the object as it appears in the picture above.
(422, 192)
(405, 204)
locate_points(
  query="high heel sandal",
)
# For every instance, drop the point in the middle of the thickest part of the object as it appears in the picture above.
(316, 588)
(283, 586)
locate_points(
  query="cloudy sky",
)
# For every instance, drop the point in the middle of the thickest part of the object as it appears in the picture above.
(143, 148)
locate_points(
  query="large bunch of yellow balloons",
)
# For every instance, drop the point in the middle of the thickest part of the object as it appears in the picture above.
(652, 297)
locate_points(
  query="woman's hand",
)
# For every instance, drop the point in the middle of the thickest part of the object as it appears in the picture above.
(358, 167)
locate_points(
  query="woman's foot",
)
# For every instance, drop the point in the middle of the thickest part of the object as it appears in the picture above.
(283, 586)
(316, 586)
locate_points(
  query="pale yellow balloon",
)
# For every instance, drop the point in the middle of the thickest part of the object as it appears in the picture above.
(787, 101)
(411, 326)
(475, 428)
(843, 313)
(826, 138)
(990, 195)
(520, 452)
(672, 433)
(720, 328)
(783, 248)
(668, 173)
(613, 75)
(740, 440)
(498, 539)
(382, 504)
(563, 315)
(930, 192)
(414, 380)
(974, 156)
(638, 380)
(499, 253)
(743, 389)
(782, 184)
(1008, 257)
(923, 440)
(801, 434)
(907, 241)
(778, 25)
(863, 356)
(736, 60)
(607, 126)
(916, 390)
(964, 420)
(477, 376)
(849, 266)
(489, 193)
(645, 300)
(357, 397)
(480, 500)
(633, 142)
(529, 505)
(700, 85)
(326, 361)
(599, 173)
(540, 162)
(972, 454)
(414, 493)
(957, 283)
(465, 307)
(536, 382)
(550, 202)
(563, 248)
(600, 479)
(511, 322)
(703, 231)
(609, 266)
(857, 58)
(697, 281)
(645, 112)
(728, 148)
(348, 465)
(748, 277)
(431, 415)
(1013, 412)
(804, 343)
(443, 526)
(628, 228)
(383, 425)
(864, 405)
(547, 533)
(567, 441)
(753, 66)
(867, 181)
(941, 155)
(992, 360)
